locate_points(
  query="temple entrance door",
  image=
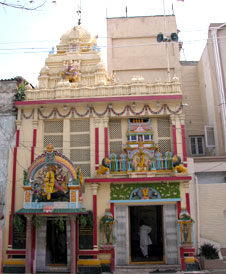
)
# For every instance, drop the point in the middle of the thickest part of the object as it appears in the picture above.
(152, 216)
(56, 243)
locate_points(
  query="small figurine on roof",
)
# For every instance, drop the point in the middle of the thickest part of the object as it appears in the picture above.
(178, 167)
(104, 167)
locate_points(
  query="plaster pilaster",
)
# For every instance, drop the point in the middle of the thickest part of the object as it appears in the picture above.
(184, 188)
(182, 118)
(35, 124)
(66, 139)
(28, 245)
(95, 188)
(73, 247)
(174, 133)
(18, 124)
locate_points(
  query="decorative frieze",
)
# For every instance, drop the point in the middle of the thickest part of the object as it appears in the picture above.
(163, 190)
(91, 111)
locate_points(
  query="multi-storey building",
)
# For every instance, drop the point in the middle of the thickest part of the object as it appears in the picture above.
(203, 85)
(94, 157)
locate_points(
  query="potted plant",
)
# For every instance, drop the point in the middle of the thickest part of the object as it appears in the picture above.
(208, 256)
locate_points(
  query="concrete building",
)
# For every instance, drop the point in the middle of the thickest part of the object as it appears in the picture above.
(133, 48)
(203, 87)
(94, 157)
(8, 90)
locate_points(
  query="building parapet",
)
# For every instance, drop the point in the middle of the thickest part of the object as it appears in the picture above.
(66, 90)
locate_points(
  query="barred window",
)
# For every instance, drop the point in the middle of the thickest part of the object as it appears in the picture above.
(163, 127)
(53, 134)
(80, 144)
(53, 126)
(164, 145)
(115, 129)
(116, 147)
(79, 125)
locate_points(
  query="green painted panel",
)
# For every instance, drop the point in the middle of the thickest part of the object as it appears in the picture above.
(166, 190)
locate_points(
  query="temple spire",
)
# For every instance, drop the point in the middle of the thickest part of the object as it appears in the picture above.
(79, 12)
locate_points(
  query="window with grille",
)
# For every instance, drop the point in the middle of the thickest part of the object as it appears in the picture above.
(115, 129)
(80, 144)
(164, 145)
(163, 132)
(209, 136)
(53, 134)
(197, 145)
(163, 127)
(115, 135)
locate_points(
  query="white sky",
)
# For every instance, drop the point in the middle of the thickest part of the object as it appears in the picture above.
(21, 30)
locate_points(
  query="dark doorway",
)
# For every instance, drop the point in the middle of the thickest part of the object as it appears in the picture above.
(152, 216)
(56, 242)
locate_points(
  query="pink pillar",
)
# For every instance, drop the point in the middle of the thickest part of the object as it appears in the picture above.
(28, 246)
(73, 241)
(174, 139)
(96, 148)
(184, 148)
(33, 145)
(94, 189)
(174, 133)
(13, 195)
(33, 248)
(94, 221)
(188, 203)
(178, 209)
(77, 244)
(106, 142)
(113, 209)
(182, 258)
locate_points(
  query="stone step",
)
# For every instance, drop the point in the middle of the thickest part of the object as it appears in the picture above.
(166, 272)
(218, 271)
(147, 269)
(223, 251)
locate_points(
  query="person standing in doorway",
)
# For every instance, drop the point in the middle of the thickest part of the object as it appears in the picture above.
(145, 239)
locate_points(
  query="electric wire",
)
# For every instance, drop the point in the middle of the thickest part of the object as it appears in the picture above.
(47, 49)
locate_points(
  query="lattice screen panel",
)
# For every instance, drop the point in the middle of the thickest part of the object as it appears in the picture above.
(85, 169)
(79, 125)
(80, 155)
(55, 140)
(115, 129)
(163, 127)
(116, 147)
(164, 145)
(81, 140)
(53, 126)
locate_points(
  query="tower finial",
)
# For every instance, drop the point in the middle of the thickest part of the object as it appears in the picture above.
(79, 12)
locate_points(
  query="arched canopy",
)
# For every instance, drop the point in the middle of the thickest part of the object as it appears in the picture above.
(49, 158)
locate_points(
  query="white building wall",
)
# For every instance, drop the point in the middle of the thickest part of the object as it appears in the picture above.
(213, 212)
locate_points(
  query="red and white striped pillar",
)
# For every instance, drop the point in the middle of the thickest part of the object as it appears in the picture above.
(95, 190)
(13, 194)
(183, 137)
(73, 245)
(34, 140)
(28, 245)
(174, 133)
(97, 142)
(106, 139)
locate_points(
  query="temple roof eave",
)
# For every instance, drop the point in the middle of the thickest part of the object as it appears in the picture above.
(67, 90)
(180, 178)
(99, 99)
